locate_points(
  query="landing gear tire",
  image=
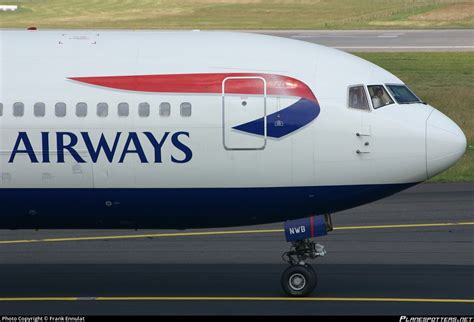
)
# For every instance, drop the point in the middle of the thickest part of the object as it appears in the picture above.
(299, 280)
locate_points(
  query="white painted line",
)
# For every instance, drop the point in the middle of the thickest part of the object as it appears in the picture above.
(8, 8)
(307, 36)
(404, 47)
(334, 36)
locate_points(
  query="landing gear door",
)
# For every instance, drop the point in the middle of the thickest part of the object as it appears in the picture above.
(244, 102)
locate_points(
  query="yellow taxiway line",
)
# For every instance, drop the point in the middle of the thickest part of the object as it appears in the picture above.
(239, 298)
(227, 232)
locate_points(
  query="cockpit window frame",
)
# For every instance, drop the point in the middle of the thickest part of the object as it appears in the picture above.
(367, 97)
(420, 101)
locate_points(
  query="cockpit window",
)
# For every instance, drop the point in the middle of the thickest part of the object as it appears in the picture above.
(358, 98)
(379, 96)
(403, 95)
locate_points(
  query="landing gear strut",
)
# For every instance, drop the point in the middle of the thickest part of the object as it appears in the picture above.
(300, 279)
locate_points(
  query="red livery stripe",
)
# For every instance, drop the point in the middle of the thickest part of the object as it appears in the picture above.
(203, 83)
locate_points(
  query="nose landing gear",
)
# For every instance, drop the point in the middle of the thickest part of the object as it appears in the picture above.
(300, 279)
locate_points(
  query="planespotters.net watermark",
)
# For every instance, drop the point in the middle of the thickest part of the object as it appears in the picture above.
(404, 318)
(44, 318)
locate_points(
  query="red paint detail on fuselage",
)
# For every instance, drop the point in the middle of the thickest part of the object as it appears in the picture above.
(211, 83)
(312, 226)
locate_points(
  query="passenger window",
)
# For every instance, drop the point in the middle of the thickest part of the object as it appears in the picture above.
(123, 109)
(60, 109)
(102, 110)
(81, 109)
(39, 109)
(1, 109)
(185, 109)
(165, 109)
(358, 98)
(379, 96)
(18, 109)
(144, 109)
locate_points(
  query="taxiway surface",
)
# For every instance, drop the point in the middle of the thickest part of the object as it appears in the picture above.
(386, 40)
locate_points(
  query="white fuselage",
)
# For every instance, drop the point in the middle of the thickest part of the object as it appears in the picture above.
(336, 146)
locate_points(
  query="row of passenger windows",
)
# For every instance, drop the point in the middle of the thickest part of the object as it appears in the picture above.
(102, 109)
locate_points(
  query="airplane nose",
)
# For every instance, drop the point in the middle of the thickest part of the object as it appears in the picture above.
(445, 143)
